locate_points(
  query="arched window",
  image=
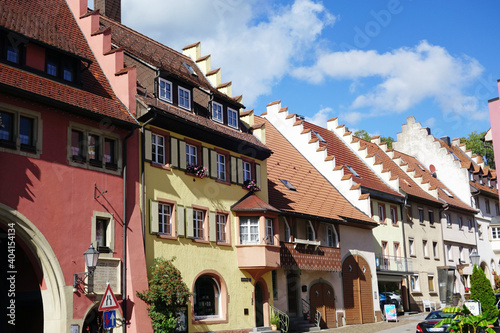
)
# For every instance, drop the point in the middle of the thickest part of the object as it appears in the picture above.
(207, 300)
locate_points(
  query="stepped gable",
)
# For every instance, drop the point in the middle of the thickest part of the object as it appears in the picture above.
(388, 159)
(57, 29)
(426, 175)
(345, 156)
(159, 55)
(314, 195)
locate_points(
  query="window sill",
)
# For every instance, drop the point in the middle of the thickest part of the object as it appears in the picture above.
(223, 244)
(200, 241)
(225, 182)
(416, 292)
(432, 225)
(413, 255)
(161, 166)
(448, 226)
(165, 236)
(436, 258)
(427, 257)
(209, 321)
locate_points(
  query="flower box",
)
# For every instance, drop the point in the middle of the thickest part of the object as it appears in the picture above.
(197, 170)
(251, 185)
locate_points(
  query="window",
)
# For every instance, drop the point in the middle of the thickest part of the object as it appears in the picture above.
(447, 192)
(103, 232)
(158, 148)
(232, 118)
(165, 219)
(330, 236)
(394, 217)
(381, 213)
(352, 171)
(411, 246)
(206, 297)
(51, 66)
(435, 250)
(184, 98)
(269, 231)
(198, 221)
(310, 232)
(487, 205)
(497, 209)
(415, 283)
(94, 148)
(431, 217)
(469, 224)
(385, 255)
(397, 253)
(221, 167)
(449, 252)
(13, 54)
(191, 154)
(165, 90)
(288, 185)
(424, 247)
(221, 228)
(448, 220)
(288, 232)
(19, 131)
(480, 231)
(495, 232)
(430, 281)
(217, 112)
(476, 200)
(460, 223)
(247, 171)
(249, 230)
(420, 215)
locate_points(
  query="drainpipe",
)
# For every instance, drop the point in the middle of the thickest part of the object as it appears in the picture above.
(143, 199)
(125, 225)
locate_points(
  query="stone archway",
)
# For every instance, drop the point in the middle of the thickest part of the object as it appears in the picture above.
(54, 293)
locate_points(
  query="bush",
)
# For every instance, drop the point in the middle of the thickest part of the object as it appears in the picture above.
(166, 295)
(481, 291)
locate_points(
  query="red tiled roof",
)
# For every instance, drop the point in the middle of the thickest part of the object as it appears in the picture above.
(159, 55)
(434, 182)
(315, 196)
(406, 183)
(251, 202)
(345, 156)
(51, 23)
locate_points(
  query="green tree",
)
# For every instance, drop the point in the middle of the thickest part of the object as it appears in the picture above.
(166, 295)
(481, 291)
(387, 139)
(363, 135)
(476, 145)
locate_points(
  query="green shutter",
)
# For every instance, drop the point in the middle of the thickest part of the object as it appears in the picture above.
(257, 174)
(213, 164)
(234, 170)
(212, 227)
(240, 171)
(206, 158)
(148, 146)
(174, 152)
(153, 221)
(181, 221)
(182, 155)
(189, 222)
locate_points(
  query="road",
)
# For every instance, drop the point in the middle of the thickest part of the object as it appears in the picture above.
(404, 324)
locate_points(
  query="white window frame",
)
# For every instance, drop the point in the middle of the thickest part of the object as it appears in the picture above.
(248, 226)
(269, 231)
(182, 100)
(221, 167)
(495, 232)
(221, 220)
(331, 238)
(156, 148)
(411, 246)
(247, 171)
(288, 231)
(198, 224)
(191, 154)
(217, 112)
(165, 219)
(160, 90)
(415, 283)
(449, 252)
(110, 231)
(310, 233)
(435, 250)
(235, 113)
(424, 248)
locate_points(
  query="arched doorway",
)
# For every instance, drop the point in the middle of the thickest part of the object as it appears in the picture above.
(293, 285)
(259, 305)
(42, 260)
(322, 298)
(93, 322)
(358, 296)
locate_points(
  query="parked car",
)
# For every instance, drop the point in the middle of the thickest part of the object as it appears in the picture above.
(428, 325)
(391, 298)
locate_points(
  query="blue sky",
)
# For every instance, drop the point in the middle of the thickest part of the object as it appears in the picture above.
(372, 64)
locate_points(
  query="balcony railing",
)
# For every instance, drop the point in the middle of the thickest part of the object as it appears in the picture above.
(312, 258)
(393, 264)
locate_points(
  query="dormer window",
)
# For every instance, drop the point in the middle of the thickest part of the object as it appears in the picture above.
(232, 118)
(352, 171)
(471, 176)
(217, 112)
(51, 67)
(165, 90)
(13, 54)
(184, 98)
(489, 182)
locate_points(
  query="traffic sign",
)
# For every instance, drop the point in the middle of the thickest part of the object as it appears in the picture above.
(109, 319)
(108, 301)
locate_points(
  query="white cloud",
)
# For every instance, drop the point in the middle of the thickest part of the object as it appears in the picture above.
(406, 76)
(321, 117)
(429, 122)
(254, 42)
(352, 118)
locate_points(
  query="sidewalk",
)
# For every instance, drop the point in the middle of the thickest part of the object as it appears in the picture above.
(406, 323)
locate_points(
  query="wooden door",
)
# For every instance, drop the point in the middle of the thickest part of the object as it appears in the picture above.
(259, 305)
(292, 281)
(322, 299)
(358, 298)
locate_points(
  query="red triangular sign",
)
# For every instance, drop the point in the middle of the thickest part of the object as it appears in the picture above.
(108, 301)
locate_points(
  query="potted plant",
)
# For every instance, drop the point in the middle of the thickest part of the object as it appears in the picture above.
(197, 170)
(275, 321)
(251, 185)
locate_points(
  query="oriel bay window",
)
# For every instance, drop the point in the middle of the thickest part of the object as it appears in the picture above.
(257, 230)
(249, 230)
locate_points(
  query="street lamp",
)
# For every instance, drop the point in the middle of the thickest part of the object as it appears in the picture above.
(474, 258)
(91, 256)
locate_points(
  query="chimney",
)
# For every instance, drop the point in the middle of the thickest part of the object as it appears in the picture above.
(109, 8)
(446, 140)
